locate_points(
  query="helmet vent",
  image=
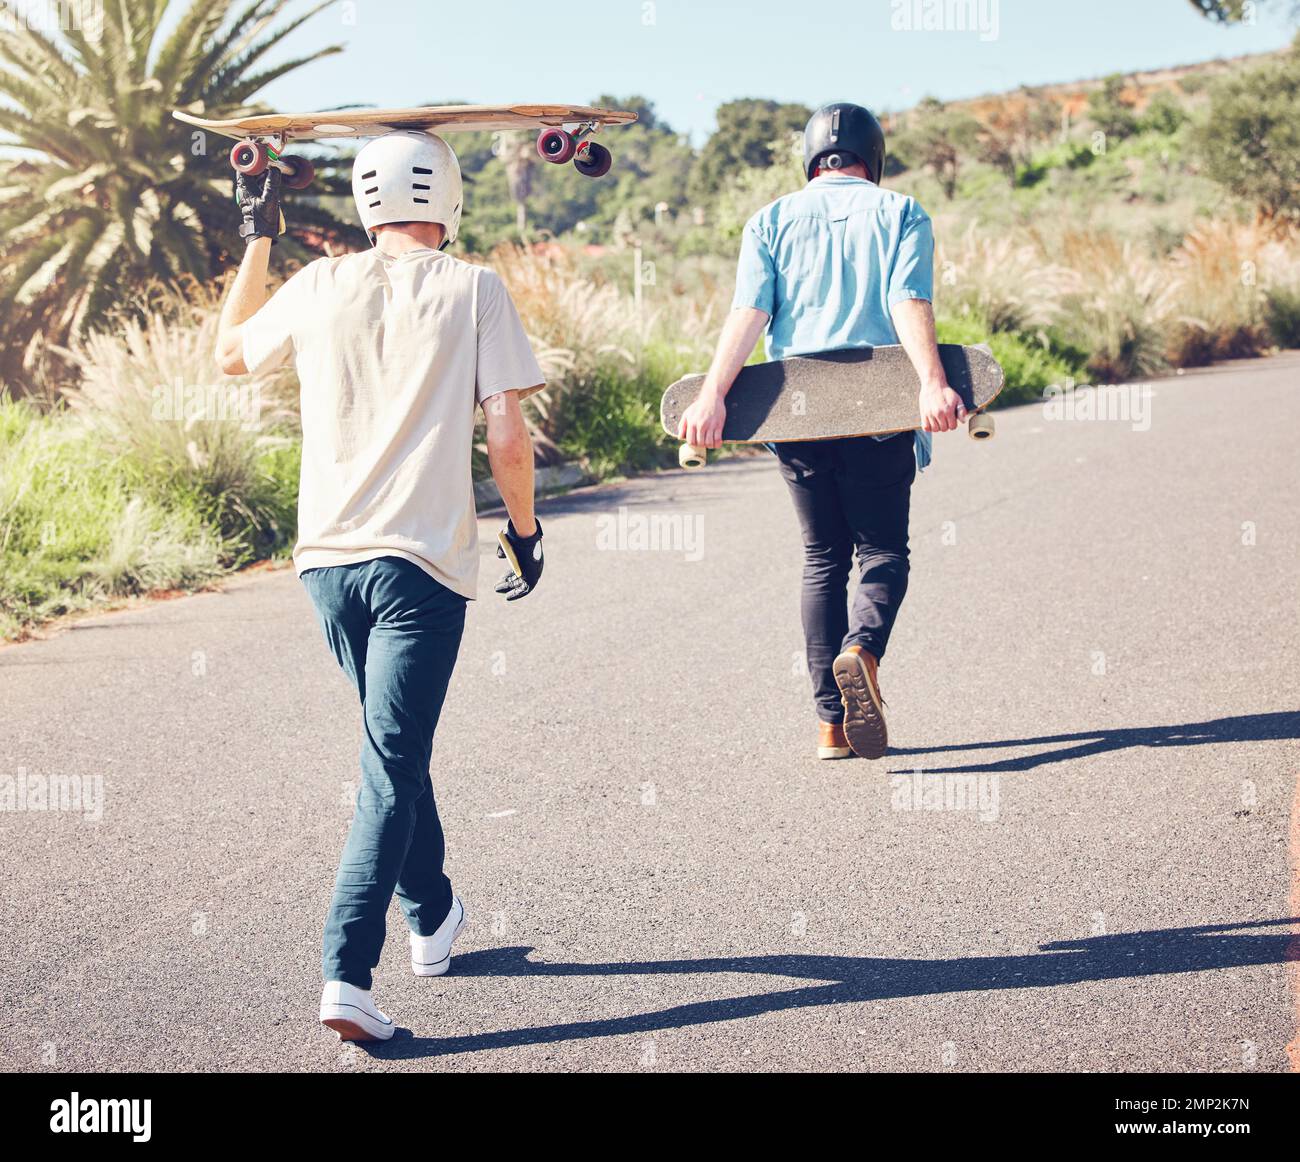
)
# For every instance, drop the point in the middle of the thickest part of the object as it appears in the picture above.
(372, 190)
(418, 186)
(374, 203)
(421, 201)
(420, 169)
(366, 176)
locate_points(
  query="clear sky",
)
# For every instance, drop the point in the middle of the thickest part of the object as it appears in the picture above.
(689, 56)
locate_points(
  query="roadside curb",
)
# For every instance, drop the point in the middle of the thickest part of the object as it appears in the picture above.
(553, 478)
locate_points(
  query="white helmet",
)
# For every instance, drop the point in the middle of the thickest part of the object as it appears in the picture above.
(407, 176)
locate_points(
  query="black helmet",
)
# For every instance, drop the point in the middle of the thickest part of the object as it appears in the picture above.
(844, 129)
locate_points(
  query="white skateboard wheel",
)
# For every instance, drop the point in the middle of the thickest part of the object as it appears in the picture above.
(981, 426)
(692, 456)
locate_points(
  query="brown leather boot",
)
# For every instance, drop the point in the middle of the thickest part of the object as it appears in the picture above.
(831, 743)
(864, 709)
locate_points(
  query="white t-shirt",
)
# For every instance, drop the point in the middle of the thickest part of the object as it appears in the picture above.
(392, 355)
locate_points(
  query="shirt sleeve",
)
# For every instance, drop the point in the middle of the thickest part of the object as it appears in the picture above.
(912, 274)
(505, 357)
(268, 336)
(755, 272)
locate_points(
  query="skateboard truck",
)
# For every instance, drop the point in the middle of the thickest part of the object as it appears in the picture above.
(558, 145)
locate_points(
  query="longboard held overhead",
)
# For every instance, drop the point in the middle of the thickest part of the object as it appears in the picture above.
(260, 140)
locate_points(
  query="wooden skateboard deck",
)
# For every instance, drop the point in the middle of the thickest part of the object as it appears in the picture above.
(376, 122)
(869, 391)
(260, 141)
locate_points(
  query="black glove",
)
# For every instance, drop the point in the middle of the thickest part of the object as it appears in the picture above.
(525, 557)
(258, 199)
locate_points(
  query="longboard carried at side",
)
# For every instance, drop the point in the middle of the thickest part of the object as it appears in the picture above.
(868, 391)
(262, 139)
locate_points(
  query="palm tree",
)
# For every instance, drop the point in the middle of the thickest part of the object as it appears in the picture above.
(518, 153)
(112, 192)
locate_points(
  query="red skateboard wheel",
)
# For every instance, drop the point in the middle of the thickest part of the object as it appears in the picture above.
(249, 157)
(556, 145)
(301, 172)
(593, 159)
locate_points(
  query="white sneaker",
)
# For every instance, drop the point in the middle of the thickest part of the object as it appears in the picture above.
(352, 1014)
(431, 955)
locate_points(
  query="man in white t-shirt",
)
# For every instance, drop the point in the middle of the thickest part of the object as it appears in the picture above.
(394, 349)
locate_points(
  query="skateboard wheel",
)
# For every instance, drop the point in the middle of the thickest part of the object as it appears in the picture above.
(300, 174)
(692, 456)
(556, 145)
(981, 426)
(593, 160)
(249, 158)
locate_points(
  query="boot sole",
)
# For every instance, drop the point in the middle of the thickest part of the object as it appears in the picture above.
(349, 1030)
(864, 719)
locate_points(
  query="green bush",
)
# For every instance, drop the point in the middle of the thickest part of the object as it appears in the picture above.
(612, 419)
(1164, 114)
(1282, 314)
(82, 521)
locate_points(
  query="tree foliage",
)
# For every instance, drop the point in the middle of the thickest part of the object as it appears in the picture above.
(940, 138)
(1250, 139)
(1111, 111)
(1007, 135)
(109, 190)
(748, 132)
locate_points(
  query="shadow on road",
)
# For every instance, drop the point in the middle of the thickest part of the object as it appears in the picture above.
(851, 979)
(664, 491)
(1283, 724)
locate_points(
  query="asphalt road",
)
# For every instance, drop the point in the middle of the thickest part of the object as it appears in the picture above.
(1101, 631)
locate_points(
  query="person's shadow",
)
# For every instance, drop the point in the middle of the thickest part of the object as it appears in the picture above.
(849, 979)
(1282, 724)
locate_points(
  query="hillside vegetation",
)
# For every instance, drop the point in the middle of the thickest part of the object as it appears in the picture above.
(1094, 232)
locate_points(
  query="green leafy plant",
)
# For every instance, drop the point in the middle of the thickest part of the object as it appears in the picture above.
(109, 191)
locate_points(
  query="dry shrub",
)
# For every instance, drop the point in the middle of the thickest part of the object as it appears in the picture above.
(1223, 271)
(150, 389)
(1121, 308)
(1002, 280)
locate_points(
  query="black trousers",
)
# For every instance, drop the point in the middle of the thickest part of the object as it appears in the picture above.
(852, 498)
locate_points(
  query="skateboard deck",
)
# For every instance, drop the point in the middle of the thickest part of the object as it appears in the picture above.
(868, 391)
(260, 141)
(375, 122)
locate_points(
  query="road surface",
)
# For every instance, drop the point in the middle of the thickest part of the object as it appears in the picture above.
(1081, 855)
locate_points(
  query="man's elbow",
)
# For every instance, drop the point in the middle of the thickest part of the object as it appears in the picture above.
(509, 442)
(508, 439)
(230, 357)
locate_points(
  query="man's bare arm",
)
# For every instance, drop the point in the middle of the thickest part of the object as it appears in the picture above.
(247, 296)
(510, 454)
(702, 421)
(941, 407)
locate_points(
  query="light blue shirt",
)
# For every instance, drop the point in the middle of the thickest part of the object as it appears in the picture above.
(827, 262)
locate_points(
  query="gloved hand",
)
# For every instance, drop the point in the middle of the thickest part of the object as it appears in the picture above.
(258, 199)
(525, 557)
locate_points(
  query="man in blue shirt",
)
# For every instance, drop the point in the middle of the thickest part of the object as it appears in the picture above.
(841, 263)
